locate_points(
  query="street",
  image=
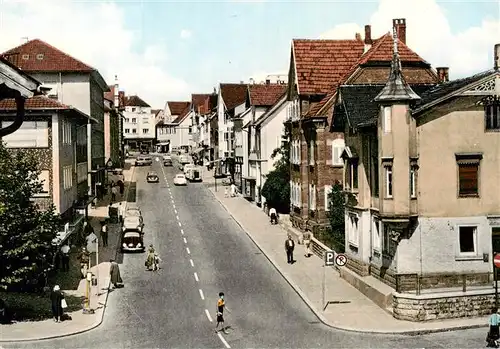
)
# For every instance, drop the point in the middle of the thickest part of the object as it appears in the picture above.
(204, 251)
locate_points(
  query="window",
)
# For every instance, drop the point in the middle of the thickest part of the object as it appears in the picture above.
(134, 130)
(127, 120)
(226, 136)
(67, 177)
(66, 131)
(127, 130)
(311, 152)
(133, 111)
(312, 197)
(31, 134)
(353, 229)
(388, 182)
(338, 146)
(387, 119)
(375, 176)
(468, 174)
(26, 57)
(190, 130)
(467, 239)
(44, 178)
(377, 238)
(351, 174)
(145, 120)
(492, 115)
(81, 172)
(413, 182)
(134, 120)
(328, 190)
(389, 245)
(145, 131)
(39, 56)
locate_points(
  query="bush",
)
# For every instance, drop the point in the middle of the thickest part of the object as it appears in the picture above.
(35, 307)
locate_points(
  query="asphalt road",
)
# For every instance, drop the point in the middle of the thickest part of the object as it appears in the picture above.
(166, 309)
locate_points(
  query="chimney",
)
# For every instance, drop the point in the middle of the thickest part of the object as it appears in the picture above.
(115, 91)
(443, 74)
(400, 25)
(24, 39)
(496, 57)
(358, 37)
(368, 37)
(268, 82)
(242, 82)
(252, 81)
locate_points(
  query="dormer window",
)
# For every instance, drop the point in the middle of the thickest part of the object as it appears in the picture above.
(26, 57)
(492, 114)
(39, 56)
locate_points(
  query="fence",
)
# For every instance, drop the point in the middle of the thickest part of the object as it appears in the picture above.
(415, 283)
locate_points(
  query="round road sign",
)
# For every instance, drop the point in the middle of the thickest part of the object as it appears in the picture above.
(341, 260)
(496, 260)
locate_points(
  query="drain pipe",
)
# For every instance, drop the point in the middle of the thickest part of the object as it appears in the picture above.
(18, 121)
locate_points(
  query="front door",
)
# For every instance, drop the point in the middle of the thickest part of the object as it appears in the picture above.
(495, 239)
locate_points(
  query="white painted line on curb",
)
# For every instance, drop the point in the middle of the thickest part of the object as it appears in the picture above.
(192, 263)
(196, 277)
(223, 341)
(182, 231)
(180, 225)
(188, 251)
(176, 216)
(201, 294)
(185, 241)
(208, 315)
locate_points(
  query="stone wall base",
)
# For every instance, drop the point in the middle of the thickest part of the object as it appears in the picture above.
(445, 306)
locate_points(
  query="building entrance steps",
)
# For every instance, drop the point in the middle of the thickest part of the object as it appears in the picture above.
(348, 308)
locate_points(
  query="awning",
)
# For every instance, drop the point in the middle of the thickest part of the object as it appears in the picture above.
(248, 178)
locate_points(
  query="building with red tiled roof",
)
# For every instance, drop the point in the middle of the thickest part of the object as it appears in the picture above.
(312, 89)
(139, 127)
(174, 131)
(265, 95)
(50, 129)
(72, 82)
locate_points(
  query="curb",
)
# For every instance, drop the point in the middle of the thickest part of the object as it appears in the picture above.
(83, 330)
(318, 313)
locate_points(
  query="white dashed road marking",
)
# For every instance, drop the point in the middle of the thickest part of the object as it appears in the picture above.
(201, 294)
(180, 225)
(175, 211)
(176, 217)
(182, 231)
(208, 315)
(188, 251)
(185, 241)
(223, 341)
(196, 277)
(192, 263)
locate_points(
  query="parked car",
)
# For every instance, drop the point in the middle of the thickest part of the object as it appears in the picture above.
(180, 179)
(152, 177)
(133, 223)
(167, 157)
(187, 167)
(134, 213)
(142, 160)
(184, 159)
(132, 241)
(193, 174)
(167, 162)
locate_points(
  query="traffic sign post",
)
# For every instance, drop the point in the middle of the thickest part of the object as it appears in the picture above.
(496, 265)
(328, 260)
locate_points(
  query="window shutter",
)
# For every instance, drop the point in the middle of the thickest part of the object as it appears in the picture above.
(468, 180)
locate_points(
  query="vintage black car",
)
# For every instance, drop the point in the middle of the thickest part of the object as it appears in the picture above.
(152, 177)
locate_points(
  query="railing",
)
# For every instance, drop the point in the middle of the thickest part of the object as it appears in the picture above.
(435, 283)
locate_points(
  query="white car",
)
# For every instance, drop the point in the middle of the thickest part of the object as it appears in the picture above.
(187, 167)
(133, 223)
(180, 179)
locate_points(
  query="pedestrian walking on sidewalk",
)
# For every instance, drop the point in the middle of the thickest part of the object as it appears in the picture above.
(84, 258)
(114, 192)
(493, 332)
(104, 233)
(220, 313)
(289, 246)
(274, 215)
(121, 186)
(65, 256)
(114, 273)
(306, 239)
(121, 212)
(56, 299)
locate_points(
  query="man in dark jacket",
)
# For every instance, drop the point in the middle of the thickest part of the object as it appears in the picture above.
(56, 298)
(289, 246)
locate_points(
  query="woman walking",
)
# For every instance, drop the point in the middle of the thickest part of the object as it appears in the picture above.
(56, 298)
(150, 260)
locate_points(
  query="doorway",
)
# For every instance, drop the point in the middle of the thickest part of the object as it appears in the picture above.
(495, 239)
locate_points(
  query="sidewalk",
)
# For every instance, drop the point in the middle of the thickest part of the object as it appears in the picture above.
(348, 308)
(79, 323)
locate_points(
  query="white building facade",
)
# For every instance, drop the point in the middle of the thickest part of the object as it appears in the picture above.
(139, 125)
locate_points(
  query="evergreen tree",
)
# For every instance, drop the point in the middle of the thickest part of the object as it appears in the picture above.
(276, 189)
(26, 232)
(336, 215)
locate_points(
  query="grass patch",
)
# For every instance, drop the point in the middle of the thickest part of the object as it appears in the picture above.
(35, 306)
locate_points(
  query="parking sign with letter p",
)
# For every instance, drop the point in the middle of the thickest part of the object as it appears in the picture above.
(329, 258)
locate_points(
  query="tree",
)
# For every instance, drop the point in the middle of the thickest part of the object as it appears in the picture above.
(26, 232)
(276, 189)
(336, 215)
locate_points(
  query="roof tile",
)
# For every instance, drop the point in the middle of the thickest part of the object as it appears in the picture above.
(177, 108)
(233, 94)
(136, 101)
(37, 102)
(265, 94)
(37, 55)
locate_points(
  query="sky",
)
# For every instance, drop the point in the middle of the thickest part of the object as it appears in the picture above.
(167, 50)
